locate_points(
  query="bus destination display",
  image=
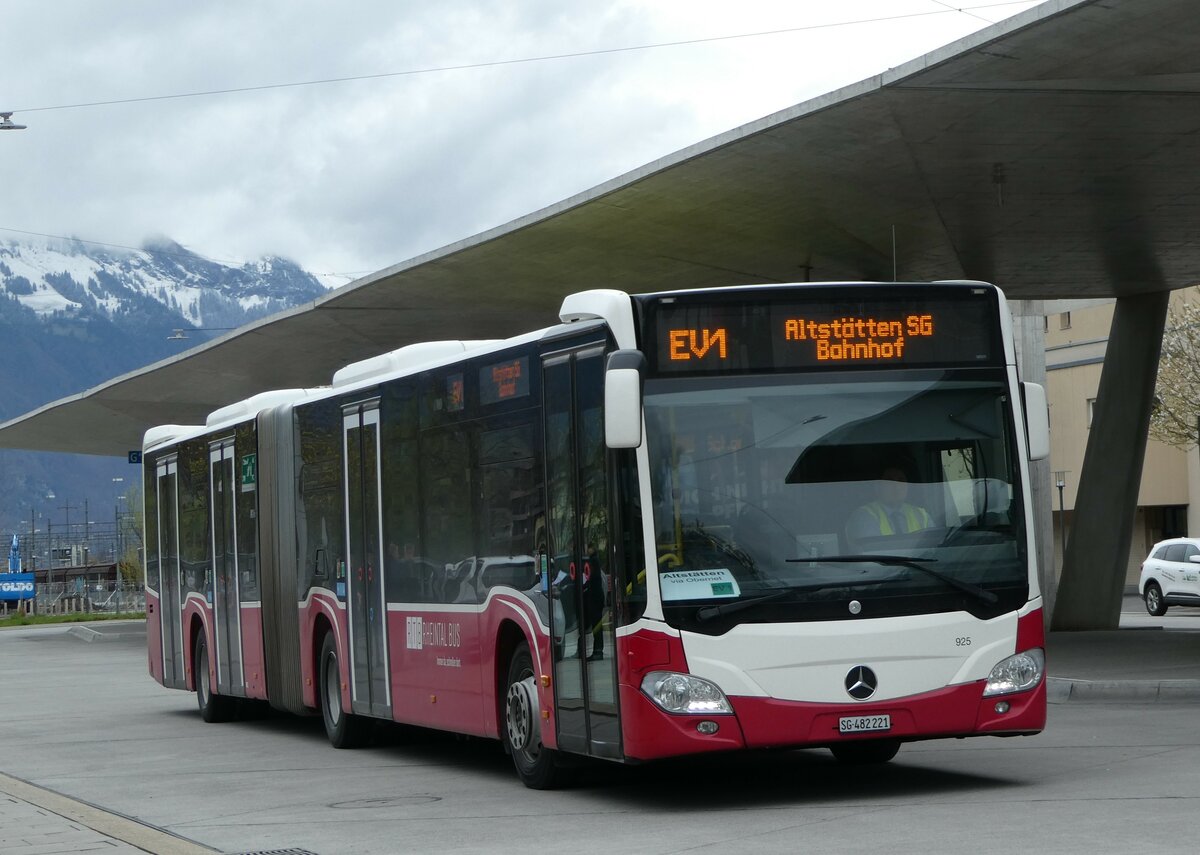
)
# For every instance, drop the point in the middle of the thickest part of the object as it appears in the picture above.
(851, 339)
(708, 337)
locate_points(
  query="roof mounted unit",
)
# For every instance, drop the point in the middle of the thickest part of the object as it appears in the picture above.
(162, 434)
(402, 358)
(252, 406)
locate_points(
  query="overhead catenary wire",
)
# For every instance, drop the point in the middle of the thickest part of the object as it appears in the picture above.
(946, 9)
(968, 10)
(964, 11)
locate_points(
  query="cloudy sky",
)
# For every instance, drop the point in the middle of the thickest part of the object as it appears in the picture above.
(349, 177)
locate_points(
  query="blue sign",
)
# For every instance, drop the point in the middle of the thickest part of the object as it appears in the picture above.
(16, 586)
(135, 457)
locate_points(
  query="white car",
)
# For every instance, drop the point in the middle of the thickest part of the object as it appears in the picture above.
(1171, 575)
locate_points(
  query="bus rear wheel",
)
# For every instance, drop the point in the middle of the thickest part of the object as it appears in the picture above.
(345, 730)
(865, 753)
(213, 707)
(538, 767)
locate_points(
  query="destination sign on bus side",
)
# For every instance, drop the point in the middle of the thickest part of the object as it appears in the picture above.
(766, 336)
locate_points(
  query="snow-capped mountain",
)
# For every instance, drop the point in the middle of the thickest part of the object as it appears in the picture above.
(73, 315)
(71, 277)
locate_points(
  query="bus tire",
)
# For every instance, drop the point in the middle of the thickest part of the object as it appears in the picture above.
(865, 753)
(345, 730)
(538, 767)
(213, 707)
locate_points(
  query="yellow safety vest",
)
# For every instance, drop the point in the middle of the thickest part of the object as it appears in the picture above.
(915, 518)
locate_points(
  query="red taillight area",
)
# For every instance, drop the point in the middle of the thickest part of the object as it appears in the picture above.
(649, 733)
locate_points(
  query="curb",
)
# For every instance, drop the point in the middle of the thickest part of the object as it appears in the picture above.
(107, 823)
(1061, 690)
(86, 633)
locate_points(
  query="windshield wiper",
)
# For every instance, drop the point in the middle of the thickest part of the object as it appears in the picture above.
(903, 561)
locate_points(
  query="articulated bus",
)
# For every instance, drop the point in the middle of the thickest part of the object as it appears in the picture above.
(737, 518)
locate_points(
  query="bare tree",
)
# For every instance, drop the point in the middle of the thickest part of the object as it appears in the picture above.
(130, 563)
(1177, 393)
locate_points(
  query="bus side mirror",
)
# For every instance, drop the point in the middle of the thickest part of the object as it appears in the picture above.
(623, 398)
(1037, 421)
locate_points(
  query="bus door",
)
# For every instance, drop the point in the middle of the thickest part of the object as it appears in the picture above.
(585, 674)
(174, 671)
(223, 487)
(370, 685)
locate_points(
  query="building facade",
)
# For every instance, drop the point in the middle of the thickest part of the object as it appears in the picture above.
(1076, 340)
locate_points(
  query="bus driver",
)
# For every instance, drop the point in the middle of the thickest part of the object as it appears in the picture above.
(889, 513)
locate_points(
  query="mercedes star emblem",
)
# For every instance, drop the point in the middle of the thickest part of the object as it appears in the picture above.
(861, 682)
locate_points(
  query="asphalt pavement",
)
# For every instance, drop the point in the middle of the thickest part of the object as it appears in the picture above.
(1147, 660)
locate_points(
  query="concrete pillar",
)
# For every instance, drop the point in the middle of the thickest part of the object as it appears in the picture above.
(1029, 334)
(1093, 578)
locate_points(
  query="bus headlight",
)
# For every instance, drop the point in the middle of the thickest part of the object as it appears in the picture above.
(1016, 673)
(683, 693)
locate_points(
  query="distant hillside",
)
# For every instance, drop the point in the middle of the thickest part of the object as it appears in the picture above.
(73, 315)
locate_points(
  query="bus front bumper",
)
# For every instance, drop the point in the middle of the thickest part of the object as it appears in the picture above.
(758, 722)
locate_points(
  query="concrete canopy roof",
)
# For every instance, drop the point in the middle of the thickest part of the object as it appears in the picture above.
(1054, 154)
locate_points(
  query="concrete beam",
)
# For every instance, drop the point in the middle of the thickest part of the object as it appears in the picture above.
(1093, 578)
(1029, 333)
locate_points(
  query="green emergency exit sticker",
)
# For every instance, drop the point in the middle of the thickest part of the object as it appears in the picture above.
(249, 472)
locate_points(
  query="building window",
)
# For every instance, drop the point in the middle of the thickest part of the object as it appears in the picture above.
(1045, 323)
(1091, 410)
(1064, 321)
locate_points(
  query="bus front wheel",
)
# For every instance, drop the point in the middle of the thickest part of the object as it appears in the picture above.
(344, 729)
(213, 707)
(538, 767)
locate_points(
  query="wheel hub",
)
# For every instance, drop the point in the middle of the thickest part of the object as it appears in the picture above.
(522, 715)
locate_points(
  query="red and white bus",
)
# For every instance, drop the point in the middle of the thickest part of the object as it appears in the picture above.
(711, 520)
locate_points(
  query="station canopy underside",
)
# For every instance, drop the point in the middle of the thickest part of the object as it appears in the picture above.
(1054, 154)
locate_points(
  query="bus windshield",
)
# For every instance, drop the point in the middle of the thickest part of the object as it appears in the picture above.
(820, 497)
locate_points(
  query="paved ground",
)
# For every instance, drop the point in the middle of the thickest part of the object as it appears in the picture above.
(36, 821)
(1148, 659)
(102, 759)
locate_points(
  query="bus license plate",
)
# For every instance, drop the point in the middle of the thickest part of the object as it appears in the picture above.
(864, 723)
